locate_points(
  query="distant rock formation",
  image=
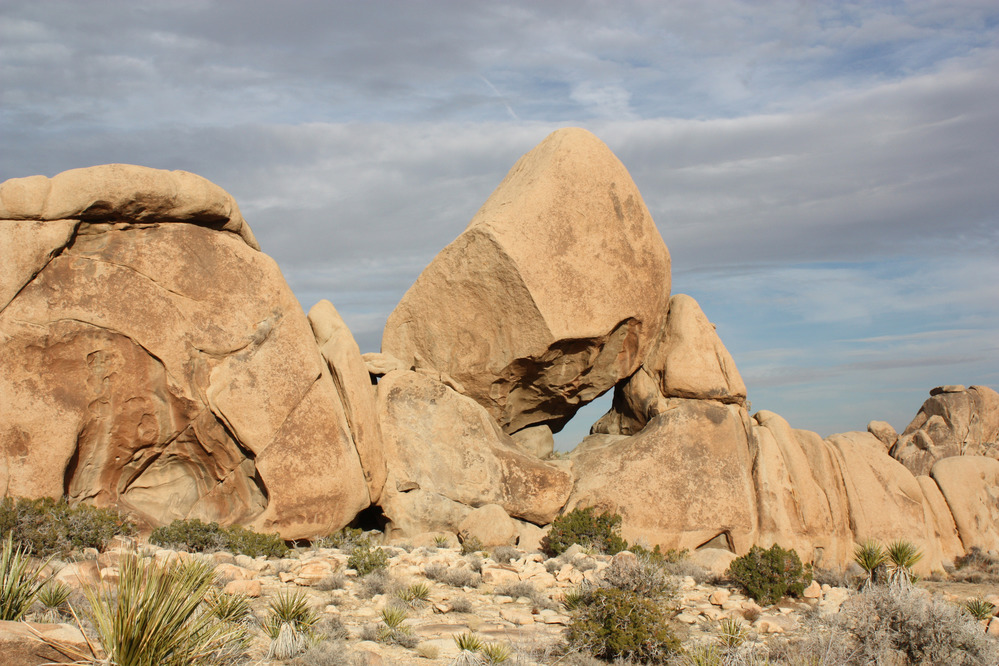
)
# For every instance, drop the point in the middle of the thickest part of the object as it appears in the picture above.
(154, 359)
(553, 293)
(954, 422)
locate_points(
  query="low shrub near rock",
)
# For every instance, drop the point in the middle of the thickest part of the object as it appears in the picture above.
(618, 624)
(644, 576)
(907, 627)
(587, 528)
(197, 536)
(770, 575)
(49, 526)
(365, 558)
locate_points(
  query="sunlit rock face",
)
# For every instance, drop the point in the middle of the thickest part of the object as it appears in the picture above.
(552, 294)
(154, 359)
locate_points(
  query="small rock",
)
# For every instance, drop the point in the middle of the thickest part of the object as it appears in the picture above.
(686, 618)
(768, 626)
(813, 591)
(248, 588)
(719, 596)
(516, 616)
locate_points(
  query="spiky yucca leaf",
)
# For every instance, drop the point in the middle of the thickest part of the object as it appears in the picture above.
(903, 555)
(53, 595)
(393, 616)
(19, 580)
(496, 653)
(468, 642)
(979, 608)
(871, 557)
(731, 633)
(156, 616)
(230, 607)
(289, 625)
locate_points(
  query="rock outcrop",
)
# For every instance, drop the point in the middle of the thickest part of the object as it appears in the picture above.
(553, 293)
(687, 360)
(446, 456)
(954, 421)
(154, 359)
(685, 481)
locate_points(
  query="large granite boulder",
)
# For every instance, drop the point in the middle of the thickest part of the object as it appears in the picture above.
(553, 293)
(685, 481)
(154, 359)
(687, 360)
(446, 456)
(954, 421)
(970, 484)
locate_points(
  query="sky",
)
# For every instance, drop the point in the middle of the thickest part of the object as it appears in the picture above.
(823, 173)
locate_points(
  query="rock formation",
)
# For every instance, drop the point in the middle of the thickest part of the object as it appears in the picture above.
(553, 293)
(687, 360)
(954, 422)
(155, 359)
(446, 456)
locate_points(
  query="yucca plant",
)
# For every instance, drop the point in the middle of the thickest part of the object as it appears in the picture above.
(903, 555)
(979, 608)
(289, 625)
(574, 598)
(441, 541)
(20, 582)
(871, 557)
(496, 653)
(416, 595)
(230, 607)
(157, 616)
(731, 633)
(53, 597)
(393, 617)
(468, 642)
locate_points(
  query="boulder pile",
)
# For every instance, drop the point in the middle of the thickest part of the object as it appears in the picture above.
(154, 359)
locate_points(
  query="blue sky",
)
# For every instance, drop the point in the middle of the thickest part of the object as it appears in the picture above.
(824, 174)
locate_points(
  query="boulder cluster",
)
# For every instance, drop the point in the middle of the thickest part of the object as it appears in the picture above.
(154, 359)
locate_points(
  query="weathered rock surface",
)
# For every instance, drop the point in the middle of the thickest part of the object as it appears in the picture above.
(155, 360)
(687, 360)
(954, 421)
(20, 645)
(353, 384)
(970, 484)
(884, 432)
(685, 481)
(446, 456)
(553, 293)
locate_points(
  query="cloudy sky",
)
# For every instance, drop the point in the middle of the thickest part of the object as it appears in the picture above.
(824, 173)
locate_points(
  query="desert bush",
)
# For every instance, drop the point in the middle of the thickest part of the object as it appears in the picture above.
(198, 536)
(462, 605)
(505, 554)
(589, 529)
(156, 616)
(20, 581)
(435, 571)
(48, 526)
(328, 653)
(645, 576)
(906, 627)
(379, 581)
(365, 558)
(469, 544)
(416, 595)
(770, 575)
(474, 562)
(393, 629)
(461, 577)
(618, 624)
(334, 581)
(344, 539)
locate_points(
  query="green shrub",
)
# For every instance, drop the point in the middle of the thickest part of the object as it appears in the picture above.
(646, 577)
(770, 575)
(617, 624)
(200, 537)
(469, 544)
(365, 559)
(344, 539)
(49, 527)
(587, 528)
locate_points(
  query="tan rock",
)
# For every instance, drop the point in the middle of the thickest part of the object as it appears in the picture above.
(79, 574)
(379, 364)
(550, 296)
(884, 432)
(813, 591)
(886, 503)
(970, 484)
(536, 440)
(687, 360)
(491, 525)
(719, 597)
(160, 363)
(800, 493)
(658, 479)
(944, 527)
(952, 422)
(20, 644)
(714, 560)
(353, 383)
(124, 193)
(247, 588)
(451, 456)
